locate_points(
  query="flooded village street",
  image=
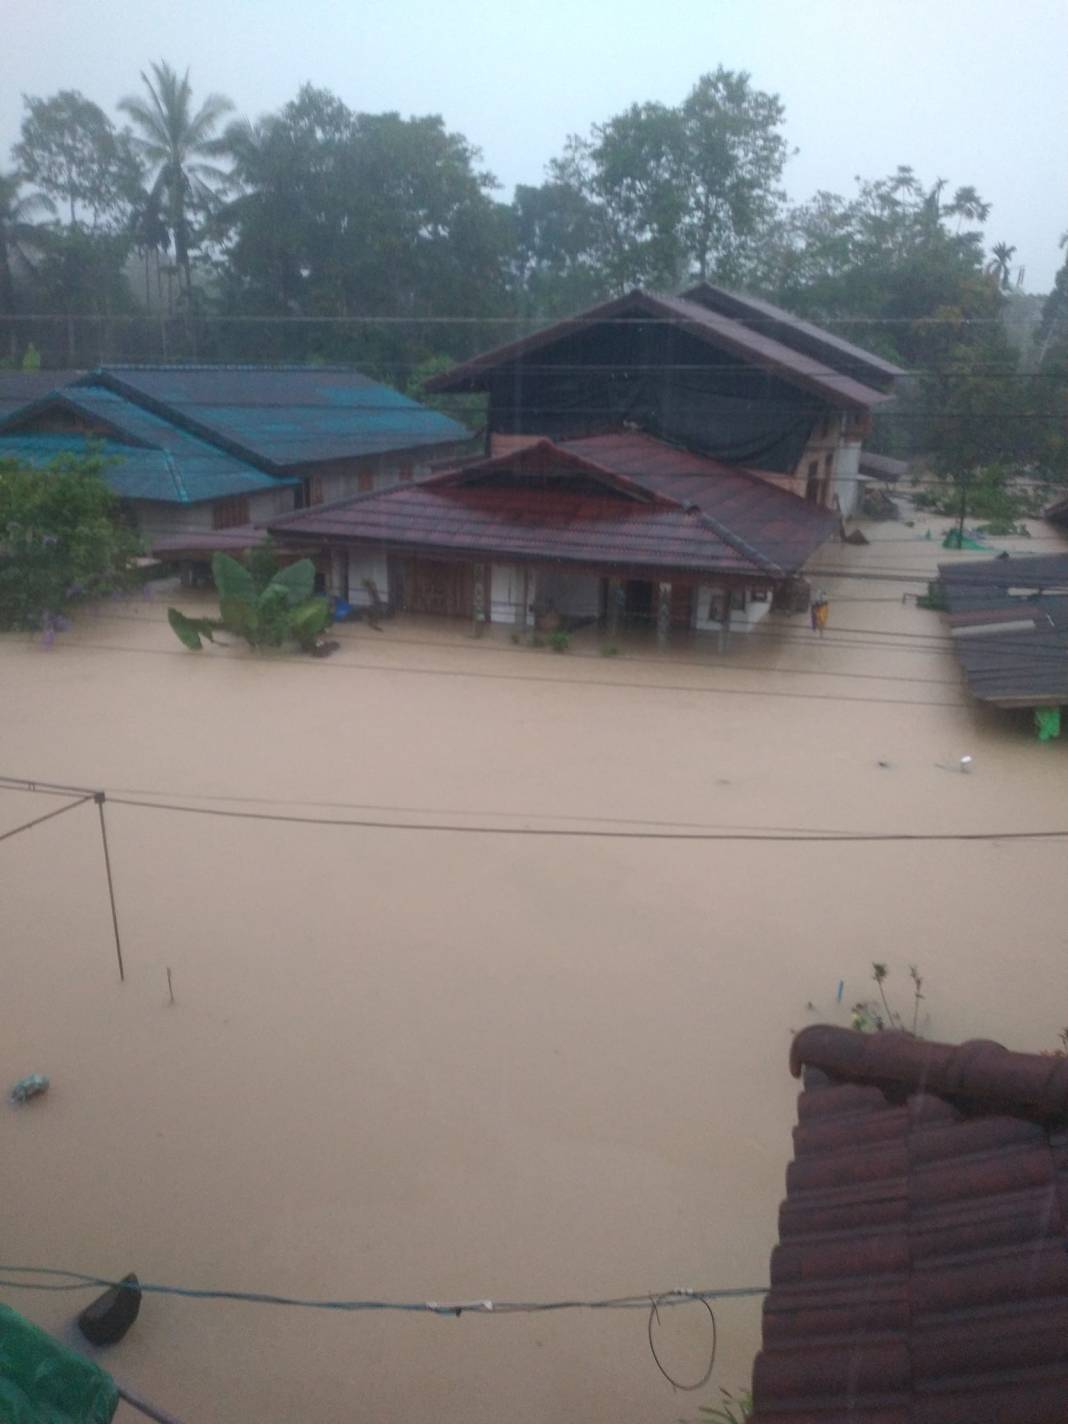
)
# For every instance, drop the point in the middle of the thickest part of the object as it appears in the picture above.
(435, 1064)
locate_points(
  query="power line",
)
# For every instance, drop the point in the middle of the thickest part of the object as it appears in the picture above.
(541, 323)
(28, 825)
(640, 1300)
(842, 639)
(562, 832)
(585, 682)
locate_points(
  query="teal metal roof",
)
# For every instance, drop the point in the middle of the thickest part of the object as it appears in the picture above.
(149, 458)
(19, 388)
(285, 416)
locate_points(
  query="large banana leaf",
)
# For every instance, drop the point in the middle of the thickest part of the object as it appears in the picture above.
(239, 616)
(232, 579)
(191, 630)
(308, 620)
(298, 581)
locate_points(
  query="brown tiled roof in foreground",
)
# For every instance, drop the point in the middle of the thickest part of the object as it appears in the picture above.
(922, 1270)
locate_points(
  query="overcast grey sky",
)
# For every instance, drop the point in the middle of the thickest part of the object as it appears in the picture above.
(974, 91)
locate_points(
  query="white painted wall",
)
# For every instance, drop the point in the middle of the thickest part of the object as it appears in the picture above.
(846, 469)
(156, 519)
(742, 620)
(506, 595)
(269, 503)
(362, 565)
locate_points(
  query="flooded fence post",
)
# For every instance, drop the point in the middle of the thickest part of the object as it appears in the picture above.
(663, 614)
(478, 598)
(99, 798)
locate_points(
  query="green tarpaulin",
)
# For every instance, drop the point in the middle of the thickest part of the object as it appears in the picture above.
(42, 1382)
(956, 540)
(1047, 723)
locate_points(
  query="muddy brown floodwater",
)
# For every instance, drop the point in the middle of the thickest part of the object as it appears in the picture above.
(413, 1065)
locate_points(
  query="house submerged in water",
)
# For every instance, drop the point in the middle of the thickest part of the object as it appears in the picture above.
(670, 459)
(208, 449)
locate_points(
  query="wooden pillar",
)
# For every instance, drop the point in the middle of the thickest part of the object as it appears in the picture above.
(663, 614)
(339, 572)
(615, 600)
(479, 597)
(725, 622)
(522, 612)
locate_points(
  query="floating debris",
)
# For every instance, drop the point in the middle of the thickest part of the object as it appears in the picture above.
(108, 1318)
(29, 1087)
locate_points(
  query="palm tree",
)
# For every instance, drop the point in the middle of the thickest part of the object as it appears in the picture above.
(968, 204)
(16, 232)
(174, 141)
(1000, 264)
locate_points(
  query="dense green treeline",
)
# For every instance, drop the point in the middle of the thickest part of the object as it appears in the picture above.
(179, 231)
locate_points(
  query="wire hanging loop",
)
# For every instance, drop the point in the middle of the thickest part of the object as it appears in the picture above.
(654, 1314)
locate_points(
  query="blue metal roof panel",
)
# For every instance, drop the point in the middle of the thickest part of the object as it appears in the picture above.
(287, 416)
(149, 473)
(19, 388)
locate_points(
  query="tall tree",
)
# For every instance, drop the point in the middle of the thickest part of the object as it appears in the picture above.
(557, 233)
(680, 192)
(70, 150)
(17, 233)
(174, 140)
(1000, 264)
(903, 270)
(339, 214)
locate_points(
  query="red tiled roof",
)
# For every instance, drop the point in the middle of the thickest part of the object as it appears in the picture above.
(783, 527)
(722, 332)
(626, 502)
(922, 1270)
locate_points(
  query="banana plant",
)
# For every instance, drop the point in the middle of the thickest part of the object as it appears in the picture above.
(285, 609)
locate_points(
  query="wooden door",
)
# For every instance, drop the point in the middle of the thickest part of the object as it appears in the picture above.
(436, 587)
(681, 605)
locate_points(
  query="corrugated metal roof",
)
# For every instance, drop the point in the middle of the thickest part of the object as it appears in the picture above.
(882, 467)
(286, 416)
(18, 388)
(1022, 661)
(785, 529)
(154, 460)
(753, 348)
(793, 331)
(922, 1270)
(571, 503)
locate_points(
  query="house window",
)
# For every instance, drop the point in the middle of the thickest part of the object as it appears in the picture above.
(229, 513)
(737, 600)
(812, 482)
(365, 482)
(313, 490)
(758, 595)
(406, 472)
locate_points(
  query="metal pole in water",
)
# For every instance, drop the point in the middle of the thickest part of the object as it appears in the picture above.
(99, 798)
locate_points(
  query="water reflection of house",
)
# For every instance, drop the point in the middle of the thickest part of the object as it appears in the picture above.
(207, 449)
(673, 459)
